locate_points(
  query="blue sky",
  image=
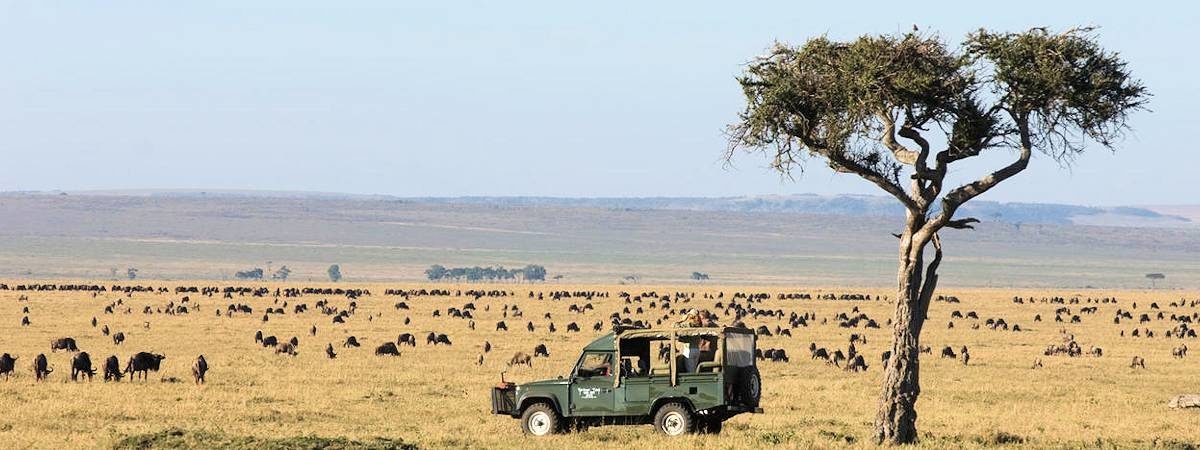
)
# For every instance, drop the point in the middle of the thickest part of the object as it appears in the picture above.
(498, 98)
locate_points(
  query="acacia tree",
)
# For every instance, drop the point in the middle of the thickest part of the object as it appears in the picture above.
(850, 104)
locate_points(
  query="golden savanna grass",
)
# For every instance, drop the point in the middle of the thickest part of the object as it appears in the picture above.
(436, 397)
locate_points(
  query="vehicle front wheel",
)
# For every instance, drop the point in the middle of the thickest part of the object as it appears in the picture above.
(674, 419)
(540, 420)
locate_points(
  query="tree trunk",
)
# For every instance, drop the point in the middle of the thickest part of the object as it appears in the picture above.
(896, 419)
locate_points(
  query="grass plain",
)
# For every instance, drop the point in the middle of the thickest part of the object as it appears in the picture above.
(437, 397)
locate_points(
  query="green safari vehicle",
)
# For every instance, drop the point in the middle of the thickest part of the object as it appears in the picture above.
(683, 380)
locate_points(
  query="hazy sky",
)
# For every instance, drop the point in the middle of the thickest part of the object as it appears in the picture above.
(553, 98)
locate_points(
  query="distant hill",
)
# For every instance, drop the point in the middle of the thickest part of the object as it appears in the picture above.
(794, 240)
(854, 205)
(843, 205)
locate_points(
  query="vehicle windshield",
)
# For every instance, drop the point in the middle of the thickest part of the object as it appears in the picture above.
(595, 364)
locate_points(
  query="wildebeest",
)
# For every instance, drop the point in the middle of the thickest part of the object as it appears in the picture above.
(295, 341)
(25, 321)
(487, 346)
(112, 369)
(431, 338)
(501, 326)
(443, 339)
(41, 368)
(286, 348)
(66, 343)
(948, 352)
(1179, 352)
(407, 338)
(199, 368)
(258, 337)
(856, 364)
(270, 341)
(521, 358)
(329, 351)
(118, 338)
(818, 353)
(1138, 361)
(837, 358)
(8, 364)
(964, 355)
(82, 364)
(351, 341)
(540, 350)
(143, 362)
(387, 348)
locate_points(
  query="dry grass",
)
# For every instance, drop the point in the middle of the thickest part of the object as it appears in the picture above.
(437, 397)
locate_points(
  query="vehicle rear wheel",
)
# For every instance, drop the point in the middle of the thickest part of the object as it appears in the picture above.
(540, 419)
(674, 419)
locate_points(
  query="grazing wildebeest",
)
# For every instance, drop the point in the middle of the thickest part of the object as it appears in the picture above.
(351, 342)
(258, 337)
(82, 364)
(287, 348)
(501, 326)
(1138, 361)
(199, 368)
(387, 348)
(529, 326)
(1037, 363)
(144, 362)
(431, 338)
(443, 339)
(572, 327)
(487, 346)
(856, 364)
(948, 352)
(598, 326)
(521, 358)
(295, 341)
(270, 341)
(118, 338)
(112, 369)
(540, 350)
(818, 352)
(1097, 352)
(41, 368)
(407, 338)
(837, 358)
(66, 343)
(25, 321)
(8, 364)
(329, 351)
(1179, 352)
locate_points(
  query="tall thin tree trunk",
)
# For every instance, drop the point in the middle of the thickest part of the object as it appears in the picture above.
(896, 419)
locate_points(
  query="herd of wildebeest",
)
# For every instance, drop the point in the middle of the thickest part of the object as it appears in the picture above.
(1170, 320)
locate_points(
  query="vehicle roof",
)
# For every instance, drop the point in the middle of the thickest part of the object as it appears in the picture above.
(608, 341)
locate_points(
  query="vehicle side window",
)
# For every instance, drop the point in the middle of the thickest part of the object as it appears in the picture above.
(595, 364)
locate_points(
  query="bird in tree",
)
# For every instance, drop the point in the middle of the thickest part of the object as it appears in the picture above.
(902, 111)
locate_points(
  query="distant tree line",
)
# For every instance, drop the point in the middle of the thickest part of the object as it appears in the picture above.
(532, 272)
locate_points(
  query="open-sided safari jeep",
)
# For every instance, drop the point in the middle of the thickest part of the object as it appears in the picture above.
(682, 380)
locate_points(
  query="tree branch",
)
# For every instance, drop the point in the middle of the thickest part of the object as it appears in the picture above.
(902, 153)
(966, 192)
(840, 163)
(962, 224)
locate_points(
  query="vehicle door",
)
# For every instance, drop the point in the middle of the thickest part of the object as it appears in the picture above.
(592, 385)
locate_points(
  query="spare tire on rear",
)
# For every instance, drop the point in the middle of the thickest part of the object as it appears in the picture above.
(749, 386)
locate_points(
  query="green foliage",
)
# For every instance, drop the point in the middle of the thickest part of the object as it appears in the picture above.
(530, 272)
(175, 438)
(847, 101)
(335, 273)
(252, 274)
